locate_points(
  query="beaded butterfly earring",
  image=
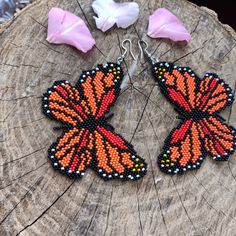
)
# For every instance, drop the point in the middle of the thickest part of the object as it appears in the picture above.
(201, 130)
(87, 139)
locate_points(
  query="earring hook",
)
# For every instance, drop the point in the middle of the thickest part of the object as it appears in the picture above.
(145, 49)
(121, 58)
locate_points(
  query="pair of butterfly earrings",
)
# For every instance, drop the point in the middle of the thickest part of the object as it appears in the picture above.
(88, 140)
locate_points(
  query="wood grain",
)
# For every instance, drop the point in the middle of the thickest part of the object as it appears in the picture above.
(36, 200)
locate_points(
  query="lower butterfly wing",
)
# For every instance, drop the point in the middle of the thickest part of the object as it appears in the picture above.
(219, 138)
(114, 158)
(183, 149)
(71, 153)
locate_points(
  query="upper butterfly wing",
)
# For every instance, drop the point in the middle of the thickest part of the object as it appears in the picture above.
(214, 94)
(71, 154)
(100, 88)
(179, 84)
(115, 157)
(63, 102)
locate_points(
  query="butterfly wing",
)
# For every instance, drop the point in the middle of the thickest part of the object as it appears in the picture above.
(63, 103)
(183, 149)
(100, 88)
(71, 153)
(116, 158)
(178, 84)
(219, 138)
(214, 94)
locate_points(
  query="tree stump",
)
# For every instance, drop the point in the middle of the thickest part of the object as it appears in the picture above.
(37, 200)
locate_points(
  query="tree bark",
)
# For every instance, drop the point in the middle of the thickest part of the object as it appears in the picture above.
(37, 200)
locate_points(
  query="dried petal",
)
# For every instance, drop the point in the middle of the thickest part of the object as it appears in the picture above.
(110, 13)
(65, 27)
(164, 24)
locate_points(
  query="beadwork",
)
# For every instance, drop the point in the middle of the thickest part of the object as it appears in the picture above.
(201, 130)
(87, 139)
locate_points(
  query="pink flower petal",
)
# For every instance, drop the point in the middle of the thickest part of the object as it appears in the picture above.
(110, 13)
(65, 27)
(164, 24)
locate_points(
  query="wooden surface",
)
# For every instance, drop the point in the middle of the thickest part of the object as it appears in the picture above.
(36, 200)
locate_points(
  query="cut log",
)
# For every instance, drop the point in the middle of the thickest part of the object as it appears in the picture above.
(37, 200)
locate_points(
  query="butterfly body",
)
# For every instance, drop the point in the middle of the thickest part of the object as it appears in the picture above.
(88, 140)
(202, 130)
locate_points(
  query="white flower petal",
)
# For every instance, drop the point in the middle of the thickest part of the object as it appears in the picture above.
(110, 13)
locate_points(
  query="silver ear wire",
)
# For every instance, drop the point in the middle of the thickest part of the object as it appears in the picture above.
(145, 50)
(121, 58)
